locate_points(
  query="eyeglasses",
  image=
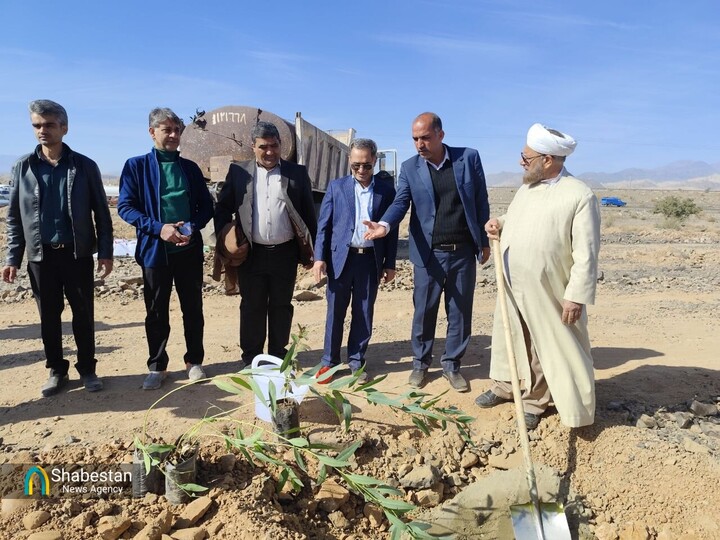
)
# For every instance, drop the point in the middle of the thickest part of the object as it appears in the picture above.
(526, 160)
(361, 166)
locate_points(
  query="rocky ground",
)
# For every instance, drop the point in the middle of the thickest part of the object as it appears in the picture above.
(647, 469)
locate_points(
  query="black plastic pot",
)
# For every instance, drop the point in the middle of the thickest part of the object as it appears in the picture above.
(286, 418)
(146, 482)
(185, 472)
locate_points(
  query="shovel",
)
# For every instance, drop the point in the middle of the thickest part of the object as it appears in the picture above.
(535, 519)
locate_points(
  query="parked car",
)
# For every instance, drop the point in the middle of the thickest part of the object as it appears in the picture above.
(612, 201)
(4, 195)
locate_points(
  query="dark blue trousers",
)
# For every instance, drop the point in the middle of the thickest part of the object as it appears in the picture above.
(358, 283)
(452, 274)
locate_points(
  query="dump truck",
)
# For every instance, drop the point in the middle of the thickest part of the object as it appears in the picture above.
(216, 138)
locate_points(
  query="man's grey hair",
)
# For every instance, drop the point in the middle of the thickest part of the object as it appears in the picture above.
(364, 144)
(435, 122)
(162, 114)
(45, 107)
(264, 130)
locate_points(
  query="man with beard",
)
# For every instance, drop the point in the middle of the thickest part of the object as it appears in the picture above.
(549, 240)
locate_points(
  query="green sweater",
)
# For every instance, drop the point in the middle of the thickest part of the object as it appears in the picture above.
(174, 193)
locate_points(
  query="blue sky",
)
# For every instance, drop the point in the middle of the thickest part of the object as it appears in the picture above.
(635, 82)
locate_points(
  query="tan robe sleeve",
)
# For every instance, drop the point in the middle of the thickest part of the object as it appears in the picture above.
(585, 248)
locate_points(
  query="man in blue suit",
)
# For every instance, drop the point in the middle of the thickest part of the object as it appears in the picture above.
(353, 264)
(446, 187)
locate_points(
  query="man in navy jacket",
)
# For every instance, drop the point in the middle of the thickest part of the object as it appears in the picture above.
(354, 265)
(446, 187)
(165, 197)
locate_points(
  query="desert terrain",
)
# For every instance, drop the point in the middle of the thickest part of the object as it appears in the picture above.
(649, 468)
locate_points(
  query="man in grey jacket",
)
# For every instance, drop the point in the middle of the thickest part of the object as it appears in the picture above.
(59, 214)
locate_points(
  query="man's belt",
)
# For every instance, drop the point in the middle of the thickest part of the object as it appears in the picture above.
(272, 246)
(449, 247)
(362, 250)
(56, 245)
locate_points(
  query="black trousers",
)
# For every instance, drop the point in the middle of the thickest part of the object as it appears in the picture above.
(267, 281)
(185, 270)
(57, 277)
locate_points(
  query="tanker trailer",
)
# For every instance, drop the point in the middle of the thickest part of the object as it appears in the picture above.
(217, 137)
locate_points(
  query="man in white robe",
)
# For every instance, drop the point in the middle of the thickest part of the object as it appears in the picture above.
(550, 239)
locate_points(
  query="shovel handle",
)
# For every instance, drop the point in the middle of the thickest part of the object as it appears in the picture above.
(517, 395)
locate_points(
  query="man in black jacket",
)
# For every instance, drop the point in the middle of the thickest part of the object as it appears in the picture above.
(272, 201)
(59, 214)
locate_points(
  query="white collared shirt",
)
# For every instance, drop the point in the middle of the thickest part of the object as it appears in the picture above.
(553, 181)
(363, 211)
(271, 222)
(438, 167)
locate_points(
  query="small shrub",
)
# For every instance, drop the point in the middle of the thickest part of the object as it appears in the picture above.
(673, 207)
(671, 223)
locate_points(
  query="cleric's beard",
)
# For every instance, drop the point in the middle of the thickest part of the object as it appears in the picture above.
(533, 175)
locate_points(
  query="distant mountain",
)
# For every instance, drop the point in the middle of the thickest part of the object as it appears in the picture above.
(705, 183)
(677, 170)
(508, 179)
(677, 175)
(504, 179)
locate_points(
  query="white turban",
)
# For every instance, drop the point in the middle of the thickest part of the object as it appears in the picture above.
(554, 143)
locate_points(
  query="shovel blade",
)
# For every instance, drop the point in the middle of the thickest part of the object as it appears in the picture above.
(555, 525)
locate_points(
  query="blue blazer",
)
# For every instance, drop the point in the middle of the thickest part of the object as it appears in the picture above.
(336, 225)
(139, 205)
(415, 186)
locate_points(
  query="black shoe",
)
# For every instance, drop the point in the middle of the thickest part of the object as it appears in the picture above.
(456, 380)
(489, 399)
(531, 420)
(91, 382)
(417, 378)
(54, 384)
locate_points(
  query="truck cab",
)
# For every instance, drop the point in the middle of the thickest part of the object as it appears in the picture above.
(612, 201)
